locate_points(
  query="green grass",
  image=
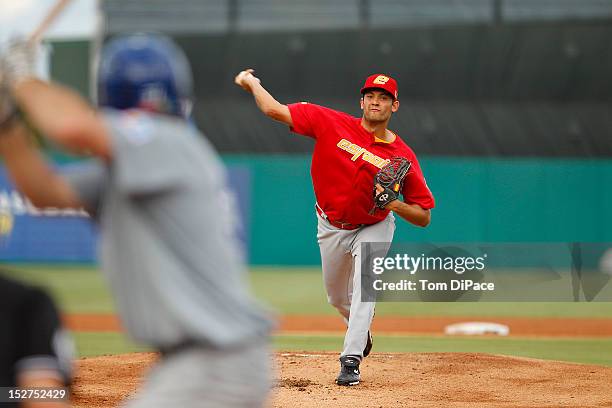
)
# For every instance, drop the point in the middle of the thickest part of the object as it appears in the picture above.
(77, 289)
(588, 351)
(301, 291)
(290, 291)
(101, 343)
(81, 289)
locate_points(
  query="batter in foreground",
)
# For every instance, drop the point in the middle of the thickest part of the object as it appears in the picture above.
(158, 192)
(349, 152)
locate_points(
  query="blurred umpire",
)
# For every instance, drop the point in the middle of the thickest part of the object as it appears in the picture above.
(158, 191)
(35, 351)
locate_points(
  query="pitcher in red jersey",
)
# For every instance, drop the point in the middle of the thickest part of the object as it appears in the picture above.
(348, 153)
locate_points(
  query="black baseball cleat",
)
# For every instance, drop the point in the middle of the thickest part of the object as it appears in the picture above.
(368, 347)
(349, 371)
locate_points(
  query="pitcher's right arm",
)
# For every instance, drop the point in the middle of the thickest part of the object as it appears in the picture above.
(265, 102)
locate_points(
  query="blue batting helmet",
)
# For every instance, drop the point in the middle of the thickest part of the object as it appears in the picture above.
(145, 71)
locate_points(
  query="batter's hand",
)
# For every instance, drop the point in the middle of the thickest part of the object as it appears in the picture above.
(244, 78)
(19, 61)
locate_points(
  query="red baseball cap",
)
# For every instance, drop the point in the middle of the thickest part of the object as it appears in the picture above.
(381, 81)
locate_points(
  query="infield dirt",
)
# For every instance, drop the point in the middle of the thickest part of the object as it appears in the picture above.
(388, 380)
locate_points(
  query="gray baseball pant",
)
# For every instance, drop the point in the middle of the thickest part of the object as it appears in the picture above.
(341, 263)
(204, 378)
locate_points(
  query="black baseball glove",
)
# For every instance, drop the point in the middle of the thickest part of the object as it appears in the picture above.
(391, 179)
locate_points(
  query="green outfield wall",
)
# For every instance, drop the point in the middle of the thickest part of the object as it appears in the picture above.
(477, 199)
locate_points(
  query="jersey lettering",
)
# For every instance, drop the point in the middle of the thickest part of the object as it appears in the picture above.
(358, 151)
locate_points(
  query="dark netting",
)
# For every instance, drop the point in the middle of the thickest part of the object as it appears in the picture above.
(455, 128)
(476, 77)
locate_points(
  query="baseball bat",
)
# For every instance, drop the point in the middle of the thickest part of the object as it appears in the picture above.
(44, 25)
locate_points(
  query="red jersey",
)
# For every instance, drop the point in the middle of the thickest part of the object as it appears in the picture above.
(345, 159)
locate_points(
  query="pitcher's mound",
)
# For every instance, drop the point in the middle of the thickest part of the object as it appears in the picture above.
(388, 380)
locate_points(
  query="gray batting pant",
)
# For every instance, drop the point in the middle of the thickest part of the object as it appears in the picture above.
(206, 378)
(341, 263)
